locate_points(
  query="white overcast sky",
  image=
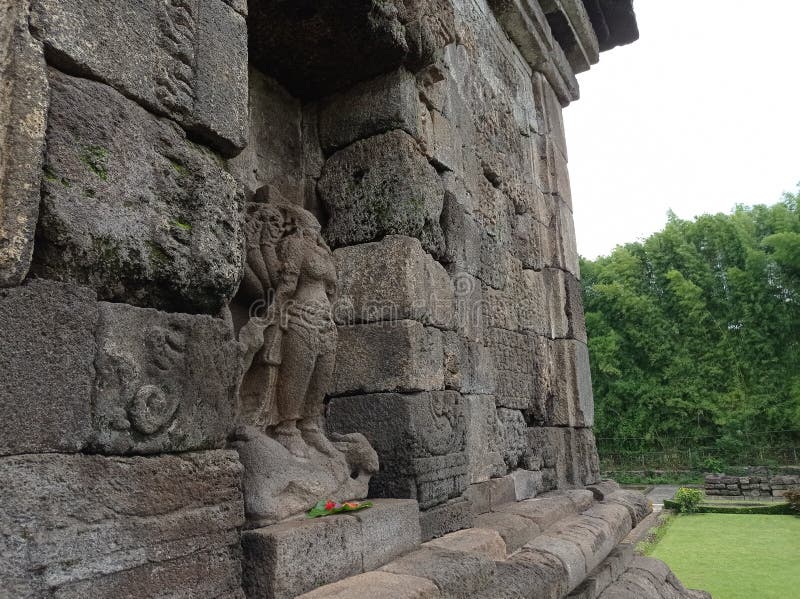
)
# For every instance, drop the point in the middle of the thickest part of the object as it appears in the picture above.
(702, 113)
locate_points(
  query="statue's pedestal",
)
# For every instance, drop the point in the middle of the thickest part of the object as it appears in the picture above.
(298, 555)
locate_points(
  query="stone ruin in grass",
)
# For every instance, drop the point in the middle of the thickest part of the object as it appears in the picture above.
(258, 254)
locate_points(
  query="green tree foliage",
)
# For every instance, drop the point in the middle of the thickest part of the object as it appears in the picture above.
(694, 333)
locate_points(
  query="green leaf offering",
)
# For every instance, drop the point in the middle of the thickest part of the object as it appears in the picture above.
(327, 508)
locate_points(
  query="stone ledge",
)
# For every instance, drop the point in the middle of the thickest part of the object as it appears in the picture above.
(578, 554)
(647, 578)
(485, 541)
(377, 585)
(297, 556)
(526, 25)
(456, 574)
(603, 488)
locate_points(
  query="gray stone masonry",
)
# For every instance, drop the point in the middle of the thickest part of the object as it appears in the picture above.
(184, 60)
(766, 485)
(288, 559)
(84, 525)
(564, 544)
(392, 177)
(131, 208)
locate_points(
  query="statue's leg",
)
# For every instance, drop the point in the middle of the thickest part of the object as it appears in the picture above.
(315, 398)
(297, 368)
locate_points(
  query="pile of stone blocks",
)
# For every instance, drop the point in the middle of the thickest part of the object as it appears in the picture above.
(751, 486)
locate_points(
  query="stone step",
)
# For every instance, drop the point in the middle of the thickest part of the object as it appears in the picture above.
(607, 572)
(647, 578)
(542, 547)
(564, 543)
(296, 556)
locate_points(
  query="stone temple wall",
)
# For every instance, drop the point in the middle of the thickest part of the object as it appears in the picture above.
(426, 137)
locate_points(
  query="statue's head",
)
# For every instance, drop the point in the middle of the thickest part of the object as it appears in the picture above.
(304, 222)
(274, 224)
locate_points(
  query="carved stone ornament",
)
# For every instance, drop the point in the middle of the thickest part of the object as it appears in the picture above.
(283, 315)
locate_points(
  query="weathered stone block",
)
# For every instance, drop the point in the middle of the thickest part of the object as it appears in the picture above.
(440, 140)
(563, 384)
(132, 209)
(527, 483)
(468, 366)
(445, 518)
(390, 356)
(212, 572)
(478, 496)
(570, 453)
(419, 439)
(595, 537)
(184, 60)
(537, 305)
(574, 309)
(47, 361)
(543, 574)
(483, 541)
(382, 186)
(393, 279)
(274, 156)
(547, 448)
(81, 525)
(568, 551)
(388, 530)
(515, 530)
(462, 236)
(289, 559)
(515, 369)
(603, 488)
(543, 512)
(320, 51)
(633, 501)
(531, 241)
(484, 457)
(526, 25)
(382, 104)
(582, 499)
(555, 304)
(23, 113)
(512, 441)
(377, 585)
(577, 35)
(569, 258)
(456, 574)
(165, 382)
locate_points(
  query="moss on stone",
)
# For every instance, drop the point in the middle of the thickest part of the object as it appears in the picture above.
(179, 168)
(157, 255)
(53, 177)
(96, 158)
(182, 225)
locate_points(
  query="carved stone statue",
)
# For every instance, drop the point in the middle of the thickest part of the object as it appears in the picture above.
(283, 312)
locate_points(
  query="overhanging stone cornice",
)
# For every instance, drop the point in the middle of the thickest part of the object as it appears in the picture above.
(526, 25)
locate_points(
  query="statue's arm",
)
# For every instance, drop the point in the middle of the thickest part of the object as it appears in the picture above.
(289, 256)
(255, 259)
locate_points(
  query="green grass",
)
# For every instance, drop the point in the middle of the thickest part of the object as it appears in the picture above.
(735, 556)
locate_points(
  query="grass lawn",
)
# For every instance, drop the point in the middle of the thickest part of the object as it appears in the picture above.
(735, 556)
